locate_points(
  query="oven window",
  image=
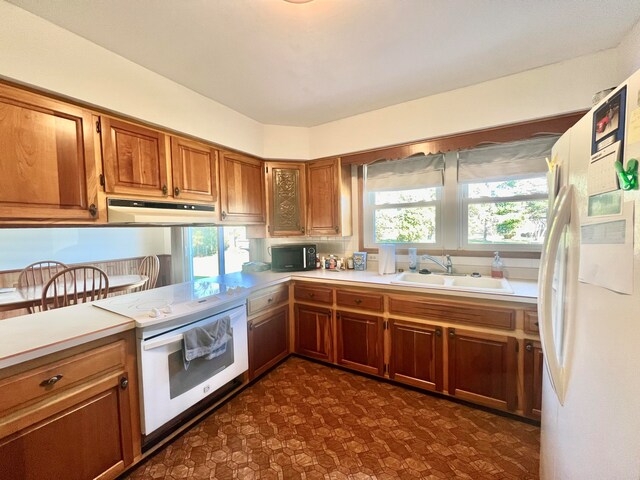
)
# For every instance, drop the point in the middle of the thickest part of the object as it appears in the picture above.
(200, 370)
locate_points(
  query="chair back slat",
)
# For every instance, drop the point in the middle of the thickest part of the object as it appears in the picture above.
(149, 267)
(75, 285)
(37, 275)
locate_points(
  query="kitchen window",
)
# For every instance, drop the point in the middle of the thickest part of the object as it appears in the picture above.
(485, 198)
(402, 201)
(203, 250)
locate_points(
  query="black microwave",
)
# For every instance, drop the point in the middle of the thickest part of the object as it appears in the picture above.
(293, 257)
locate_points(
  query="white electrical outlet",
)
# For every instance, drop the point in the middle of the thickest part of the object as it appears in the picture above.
(373, 256)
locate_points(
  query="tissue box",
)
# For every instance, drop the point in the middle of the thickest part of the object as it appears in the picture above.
(360, 261)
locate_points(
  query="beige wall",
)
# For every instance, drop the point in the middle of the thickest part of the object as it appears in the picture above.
(629, 53)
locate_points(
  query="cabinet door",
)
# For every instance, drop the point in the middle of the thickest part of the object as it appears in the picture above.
(89, 438)
(360, 342)
(268, 340)
(313, 332)
(241, 189)
(287, 199)
(323, 198)
(533, 365)
(47, 159)
(482, 368)
(416, 354)
(195, 170)
(135, 160)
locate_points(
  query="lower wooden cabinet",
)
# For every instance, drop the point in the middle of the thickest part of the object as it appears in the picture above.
(74, 417)
(268, 340)
(313, 332)
(533, 366)
(360, 342)
(416, 354)
(483, 368)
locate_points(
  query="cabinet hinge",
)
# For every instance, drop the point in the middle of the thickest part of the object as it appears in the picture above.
(517, 347)
(98, 127)
(266, 169)
(385, 325)
(102, 180)
(386, 369)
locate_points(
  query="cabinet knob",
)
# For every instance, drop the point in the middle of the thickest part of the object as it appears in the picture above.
(93, 210)
(438, 333)
(176, 191)
(452, 332)
(270, 299)
(51, 381)
(302, 230)
(337, 229)
(165, 190)
(124, 383)
(528, 347)
(358, 301)
(311, 294)
(224, 214)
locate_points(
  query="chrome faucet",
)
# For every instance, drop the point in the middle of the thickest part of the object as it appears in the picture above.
(448, 267)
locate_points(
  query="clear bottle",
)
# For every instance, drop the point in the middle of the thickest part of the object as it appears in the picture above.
(497, 267)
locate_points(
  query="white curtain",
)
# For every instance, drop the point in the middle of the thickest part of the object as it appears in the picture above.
(417, 171)
(505, 161)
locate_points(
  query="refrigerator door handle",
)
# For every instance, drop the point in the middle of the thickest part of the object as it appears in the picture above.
(560, 218)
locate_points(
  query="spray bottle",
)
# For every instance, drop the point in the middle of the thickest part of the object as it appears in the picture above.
(497, 267)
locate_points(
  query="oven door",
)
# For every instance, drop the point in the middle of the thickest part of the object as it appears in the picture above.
(168, 388)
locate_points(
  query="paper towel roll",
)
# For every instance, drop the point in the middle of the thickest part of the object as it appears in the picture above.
(386, 259)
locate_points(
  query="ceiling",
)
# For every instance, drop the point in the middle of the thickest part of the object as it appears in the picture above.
(306, 64)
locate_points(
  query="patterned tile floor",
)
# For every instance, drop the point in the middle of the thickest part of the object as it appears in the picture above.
(309, 421)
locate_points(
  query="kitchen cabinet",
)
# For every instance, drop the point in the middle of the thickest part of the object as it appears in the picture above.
(194, 166)
(416, 356)
(47, 160)
(286, 199)
(360, 342)
(313, 332)
(329, 198)
(135, 159)
(73, 416)
(533, 367)
(242, 198)
(483, 368)
(309, 292)
(268, 340)
(359, 299)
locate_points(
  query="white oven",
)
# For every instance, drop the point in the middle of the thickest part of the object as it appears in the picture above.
(168, 388)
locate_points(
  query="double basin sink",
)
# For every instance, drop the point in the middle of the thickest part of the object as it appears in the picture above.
(455, 282)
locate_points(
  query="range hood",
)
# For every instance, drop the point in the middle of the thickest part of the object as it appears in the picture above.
(125, 211)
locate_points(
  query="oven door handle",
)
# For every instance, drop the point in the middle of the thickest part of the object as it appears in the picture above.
(150, 345)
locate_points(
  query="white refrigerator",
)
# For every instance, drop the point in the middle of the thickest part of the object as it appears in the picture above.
(589, 299)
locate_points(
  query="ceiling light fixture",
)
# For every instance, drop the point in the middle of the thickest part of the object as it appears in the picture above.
(298, 1)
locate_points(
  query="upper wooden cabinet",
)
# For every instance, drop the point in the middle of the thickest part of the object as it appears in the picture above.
(47, 159)
(135, 159)
(242, 198)
(286, 199)
(195, 170)
(328, 198)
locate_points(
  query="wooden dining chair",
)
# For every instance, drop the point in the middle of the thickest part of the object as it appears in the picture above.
(37, 274)
(75, 285)
(149, 267)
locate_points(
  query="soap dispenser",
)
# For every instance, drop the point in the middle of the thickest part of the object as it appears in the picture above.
(497, 267)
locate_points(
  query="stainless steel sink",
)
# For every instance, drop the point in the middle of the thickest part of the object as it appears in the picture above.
(464, 283)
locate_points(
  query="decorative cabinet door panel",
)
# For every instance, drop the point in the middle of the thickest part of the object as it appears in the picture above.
(313, 332)
(482, 368)
(360, 342)
(286, 187)
(416, 354)
(324, 198)
(47, 159)
(135, 160)
(242, 198)
(195, 170)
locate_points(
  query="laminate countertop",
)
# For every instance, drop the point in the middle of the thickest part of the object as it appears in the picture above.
(31, 336)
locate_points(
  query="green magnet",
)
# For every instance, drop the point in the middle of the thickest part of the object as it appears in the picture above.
(629, 177)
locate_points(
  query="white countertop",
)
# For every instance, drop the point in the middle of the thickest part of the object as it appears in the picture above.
(31, 336)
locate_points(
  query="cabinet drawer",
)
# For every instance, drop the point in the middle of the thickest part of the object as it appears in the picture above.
(32, 385)
(312, 293)
(365, 301)
(267, 299)
(531, 322)
(483, 316)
